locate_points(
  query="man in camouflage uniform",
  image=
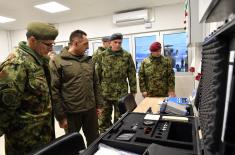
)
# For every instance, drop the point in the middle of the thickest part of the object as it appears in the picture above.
(25, 100)
(106, 44)
(75, 88)
(156, 75)
(114, 67)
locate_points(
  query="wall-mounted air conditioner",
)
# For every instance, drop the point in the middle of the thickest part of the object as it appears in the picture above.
(132, 17)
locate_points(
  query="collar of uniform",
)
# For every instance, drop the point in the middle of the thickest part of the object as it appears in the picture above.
(26, 48)
(101, 48)
(116, 53)
(66, 55)
(152, 58)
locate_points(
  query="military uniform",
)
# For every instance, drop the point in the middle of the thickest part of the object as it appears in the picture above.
(156, 76)
(25, 105)
(76, 94)
(96, 53)
(113, 69)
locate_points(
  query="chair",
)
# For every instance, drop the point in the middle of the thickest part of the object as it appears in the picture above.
(127, 103)
(70, 144)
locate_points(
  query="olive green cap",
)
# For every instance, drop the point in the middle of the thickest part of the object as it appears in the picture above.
(42, 31)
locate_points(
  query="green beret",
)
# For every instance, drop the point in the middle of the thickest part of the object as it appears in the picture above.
(42, 31)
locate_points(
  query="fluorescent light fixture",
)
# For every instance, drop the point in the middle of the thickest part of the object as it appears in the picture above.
(52, 7)
(6, 19)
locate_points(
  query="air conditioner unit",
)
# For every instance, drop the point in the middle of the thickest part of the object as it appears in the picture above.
(133, 17)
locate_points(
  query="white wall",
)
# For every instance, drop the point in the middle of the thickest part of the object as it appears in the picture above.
(195, 27)
(102, 26)
(4, 45)
(166, 18)
(17, 36)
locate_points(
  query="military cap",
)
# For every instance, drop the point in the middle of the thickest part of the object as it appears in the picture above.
(116, 36)
(155, 46)
(106, 38)
(42, 31)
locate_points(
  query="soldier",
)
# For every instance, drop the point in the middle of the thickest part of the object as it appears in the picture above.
(25, 100)
(106, 44)
(115, 65)
(75, 88)
(156, 75)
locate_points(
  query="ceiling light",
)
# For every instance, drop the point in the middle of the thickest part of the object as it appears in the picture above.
(52, 7)
(6, 19)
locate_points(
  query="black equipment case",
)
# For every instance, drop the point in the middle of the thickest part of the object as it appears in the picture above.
(173, 136)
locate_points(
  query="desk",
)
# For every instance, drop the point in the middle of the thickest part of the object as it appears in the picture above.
(153, 102)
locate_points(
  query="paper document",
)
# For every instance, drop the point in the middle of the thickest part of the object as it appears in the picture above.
(152, 117)
(105, 149)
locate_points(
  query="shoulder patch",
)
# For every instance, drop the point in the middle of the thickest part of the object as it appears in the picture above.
(146, 60)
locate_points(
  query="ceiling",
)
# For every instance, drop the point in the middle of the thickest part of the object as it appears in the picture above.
(24, 12)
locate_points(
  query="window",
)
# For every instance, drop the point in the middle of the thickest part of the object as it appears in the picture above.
(175, 48)
(59, 46)
(126, 44)
(142, 44)
(93, 46)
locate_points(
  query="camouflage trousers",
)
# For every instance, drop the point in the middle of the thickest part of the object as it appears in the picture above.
(28, 137)
(105, 118)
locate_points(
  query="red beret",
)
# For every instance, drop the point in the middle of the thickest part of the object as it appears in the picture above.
(155, 46)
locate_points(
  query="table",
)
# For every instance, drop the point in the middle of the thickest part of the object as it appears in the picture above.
(153, 102)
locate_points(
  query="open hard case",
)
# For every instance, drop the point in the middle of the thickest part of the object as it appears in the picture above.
(214, 109)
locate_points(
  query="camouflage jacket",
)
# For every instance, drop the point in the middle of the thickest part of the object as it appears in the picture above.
(75, 87)
(113, 69)
(156, 76)
(96, 53)
(25, 105)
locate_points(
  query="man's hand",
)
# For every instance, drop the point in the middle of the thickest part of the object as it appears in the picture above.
(63, 123)
(171, 94)
(144, 94)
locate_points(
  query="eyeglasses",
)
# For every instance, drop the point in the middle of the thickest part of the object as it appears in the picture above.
(47, 44)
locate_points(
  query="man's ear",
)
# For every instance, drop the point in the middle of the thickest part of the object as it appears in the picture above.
(75, 43)
(32, 40)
